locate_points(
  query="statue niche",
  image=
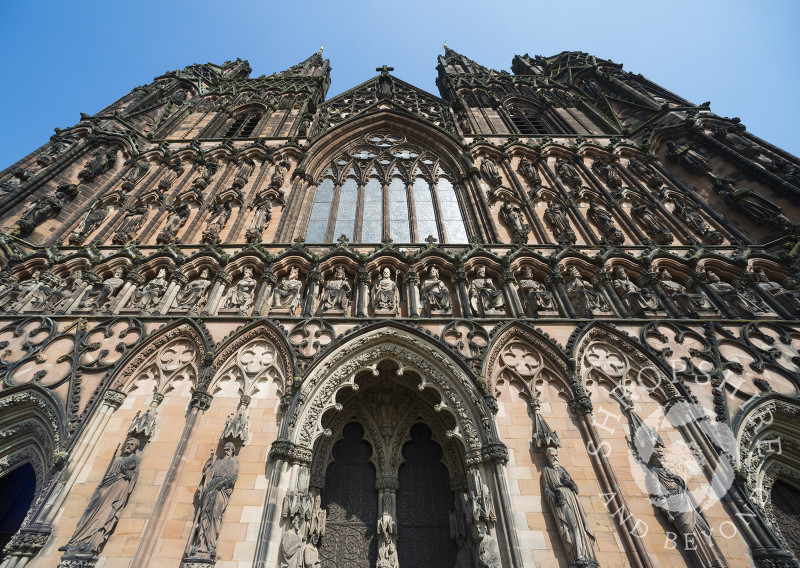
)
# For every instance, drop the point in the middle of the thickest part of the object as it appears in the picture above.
(556, 217)
(44, 208)
(514, 220)
(485, 299)
(536, 297)
(336, 294)
(133, 221)
(240, 298)
(288, 293)
(386, 294)
(435, 295)
(604, 221)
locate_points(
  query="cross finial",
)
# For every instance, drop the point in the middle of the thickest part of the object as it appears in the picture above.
(384, 70)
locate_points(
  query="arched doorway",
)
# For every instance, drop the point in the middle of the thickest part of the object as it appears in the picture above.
(786, 508)
(17, 489)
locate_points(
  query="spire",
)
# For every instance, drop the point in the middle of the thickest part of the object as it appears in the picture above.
(543, 436)
(454, 62)
(313, 66)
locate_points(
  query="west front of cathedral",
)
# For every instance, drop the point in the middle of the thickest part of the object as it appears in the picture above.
(548, 318)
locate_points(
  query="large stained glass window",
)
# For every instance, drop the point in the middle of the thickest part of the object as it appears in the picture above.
(385, 185)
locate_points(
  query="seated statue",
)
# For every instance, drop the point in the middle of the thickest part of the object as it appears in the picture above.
(789, 299)
(484, 297)
(288, 292)
(534, 294)
(146, 299)
(584, 298)
(241, 296)
(685, 302)
(744, 304)
(435, 296)
(336, 292)
(102, 294)
(637, 300)
(193, 297)
(385, 294)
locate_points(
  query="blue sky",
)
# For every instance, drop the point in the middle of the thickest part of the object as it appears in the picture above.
(63, 58)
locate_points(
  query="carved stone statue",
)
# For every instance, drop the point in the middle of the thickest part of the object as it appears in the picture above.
(530, 172)
(435, 296)
(487, 551)
(261, 218)
(56, 299)
(242, 295)
(106, 504)
(102, 294)
(668, 492)
(581, 294)
(169, 178)
(647, 172)
(483, 296)
(637, 300)
(193, 297)
(557, 218)
(177, 217)
(685, 302)
(689, 214)
(387, 536)
(752, 204)
(58, 145)
(243, 173)
(385, 293)
(216, 487)
(739, 143)
(512, 216)
(207, 172)
(135, 175)
(288, 292)
(133, 221)
(490, 172)
(652, 224)
(789, 299)
(314, 529)
(607, 174)
(93, 219)
(561, 494)
(21, 292)
(44, 208)
(605, 223)
(534, 294)
(743, 303)
(568, 173)
(688, 157)
(11, 184)
(101, 162)
(220, 214)
(278, 176)
(336, 292)
(147, 298)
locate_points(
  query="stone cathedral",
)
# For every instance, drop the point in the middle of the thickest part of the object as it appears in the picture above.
(547, 318)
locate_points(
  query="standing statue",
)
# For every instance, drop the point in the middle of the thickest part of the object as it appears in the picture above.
(530, 172)
(44, 208)
(93, 219)
(561, 494)
(169, 178)
(106, 504)
(13, 183)
(288, 292)
(178, 214)
(647, 172)
(387, 535)
(789, 299)
(487, 551)
(512, 215)
(216, 487)
(261, 218)
(689, 214)
(685, 302)
(386, 294)
(58, 145)
(314, 529)
(243, 173)
(276, 181)
(102, 294)
(207, 172)
(568, 173)
(292, 545)
(484, 297)
(193, 297)
(637, 300)
(607, 174)
(101, 162)
(556, 216)
(604, 221)
(241, 296)
(752, 204)
(688, 157)
(435, 296)
(535, 295)
(669, 493)
(133, 221)
(652, 224)
(490, 172)
(147, 298)
(744, 304)
(135, 175)
(336, 292)
(584, 298)
(220, 213)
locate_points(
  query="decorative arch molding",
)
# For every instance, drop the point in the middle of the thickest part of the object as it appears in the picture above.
(410, 351)
(262, 328)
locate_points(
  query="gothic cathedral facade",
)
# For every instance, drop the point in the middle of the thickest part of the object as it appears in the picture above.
(548, 318)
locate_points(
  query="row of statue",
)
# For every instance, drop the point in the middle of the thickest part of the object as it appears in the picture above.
(80, 290)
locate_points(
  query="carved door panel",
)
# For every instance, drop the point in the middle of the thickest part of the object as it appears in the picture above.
(786, 507)
(352, 503)
(424, 501)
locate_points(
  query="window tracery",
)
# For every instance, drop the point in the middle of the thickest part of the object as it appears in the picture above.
(386, 185)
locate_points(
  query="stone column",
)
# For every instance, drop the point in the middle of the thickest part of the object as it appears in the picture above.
(602, 281)
(512, 297)
(312, 290)
(134, 280)
(222, 281)
(362, 293)
(261, 304)
(460, 279)
(699, 281)
(74, 300)
(555, 280)
(749, 279)
(652, 281)
(178, 279)
(412, 293)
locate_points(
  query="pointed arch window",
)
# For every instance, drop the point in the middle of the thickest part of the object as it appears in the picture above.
(527, 120)
(404, 192)
(243, 124)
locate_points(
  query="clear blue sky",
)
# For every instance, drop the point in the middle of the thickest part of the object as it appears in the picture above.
(63, 58)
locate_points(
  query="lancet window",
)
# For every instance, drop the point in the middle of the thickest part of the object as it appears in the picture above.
(243, 124)
(385, 185)
(527, 120)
